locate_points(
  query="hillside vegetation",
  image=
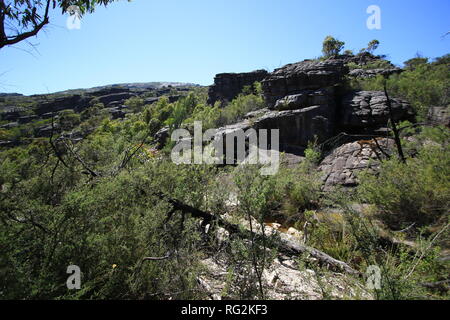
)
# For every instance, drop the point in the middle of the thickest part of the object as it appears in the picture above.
(102, 193)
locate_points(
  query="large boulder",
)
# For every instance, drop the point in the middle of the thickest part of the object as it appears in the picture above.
(341, 166)
(306, 75)
(439, 115)
(162, 136)
(227, 86)
(365, 111)
(298, 127)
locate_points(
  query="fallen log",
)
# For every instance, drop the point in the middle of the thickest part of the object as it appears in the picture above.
(284, 246)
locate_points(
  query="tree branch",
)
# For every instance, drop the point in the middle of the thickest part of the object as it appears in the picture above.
(7, 41)
(157, 258)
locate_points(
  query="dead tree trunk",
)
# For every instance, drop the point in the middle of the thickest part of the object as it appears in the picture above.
(285, 246)
(395, 130)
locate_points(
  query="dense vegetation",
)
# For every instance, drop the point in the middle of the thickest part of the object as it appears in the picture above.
(100, 203)
(423, 83)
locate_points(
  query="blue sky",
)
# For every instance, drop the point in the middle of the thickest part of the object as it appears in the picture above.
(191, 41)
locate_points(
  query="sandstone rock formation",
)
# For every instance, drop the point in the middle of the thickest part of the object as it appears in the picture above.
(343, 164)
(365, 111)
(307, 101)
(439, 115)
(115, 97)
(228, 85)
(11, 113)
(369, 73)
(306, 75)
(364, 58)
(77, 102)
(306, 98)
(283, 280)
(298, 127)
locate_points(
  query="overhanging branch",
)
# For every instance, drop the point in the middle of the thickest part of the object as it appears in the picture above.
(7, 41)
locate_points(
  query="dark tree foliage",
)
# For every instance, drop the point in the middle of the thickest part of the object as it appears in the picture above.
(22, 19)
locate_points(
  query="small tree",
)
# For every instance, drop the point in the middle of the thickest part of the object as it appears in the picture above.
(373, 45)
(331, 46)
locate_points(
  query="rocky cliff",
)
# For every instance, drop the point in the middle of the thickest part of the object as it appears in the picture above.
(309, 101)
(228, 85)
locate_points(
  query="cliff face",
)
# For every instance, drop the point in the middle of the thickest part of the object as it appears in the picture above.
(310, 101)
(300, 77)
(228, 85)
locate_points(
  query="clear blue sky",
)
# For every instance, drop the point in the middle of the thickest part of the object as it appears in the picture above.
(192, 40)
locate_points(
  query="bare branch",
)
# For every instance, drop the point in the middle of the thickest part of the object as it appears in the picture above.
(157, 258)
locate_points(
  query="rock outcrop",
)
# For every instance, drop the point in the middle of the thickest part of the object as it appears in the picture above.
(227, 86)
(294, 78)
(76, 102)
(366, 111)
(115, 97)
(343, 164)
(304, 95)
(439, 115)
(370, 73)
(11, 113)
(307, 101)
(298, 127)
(306, 98)
(283, 280)
(364, 58)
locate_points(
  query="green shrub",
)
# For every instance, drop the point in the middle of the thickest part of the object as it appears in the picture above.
(295, 190)
(313, 153)
(205, 113)
(416, 192)
(425, 85)
(240, 106)
(331, 46)
(52, 217)
(136, 104)
(68, 119)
